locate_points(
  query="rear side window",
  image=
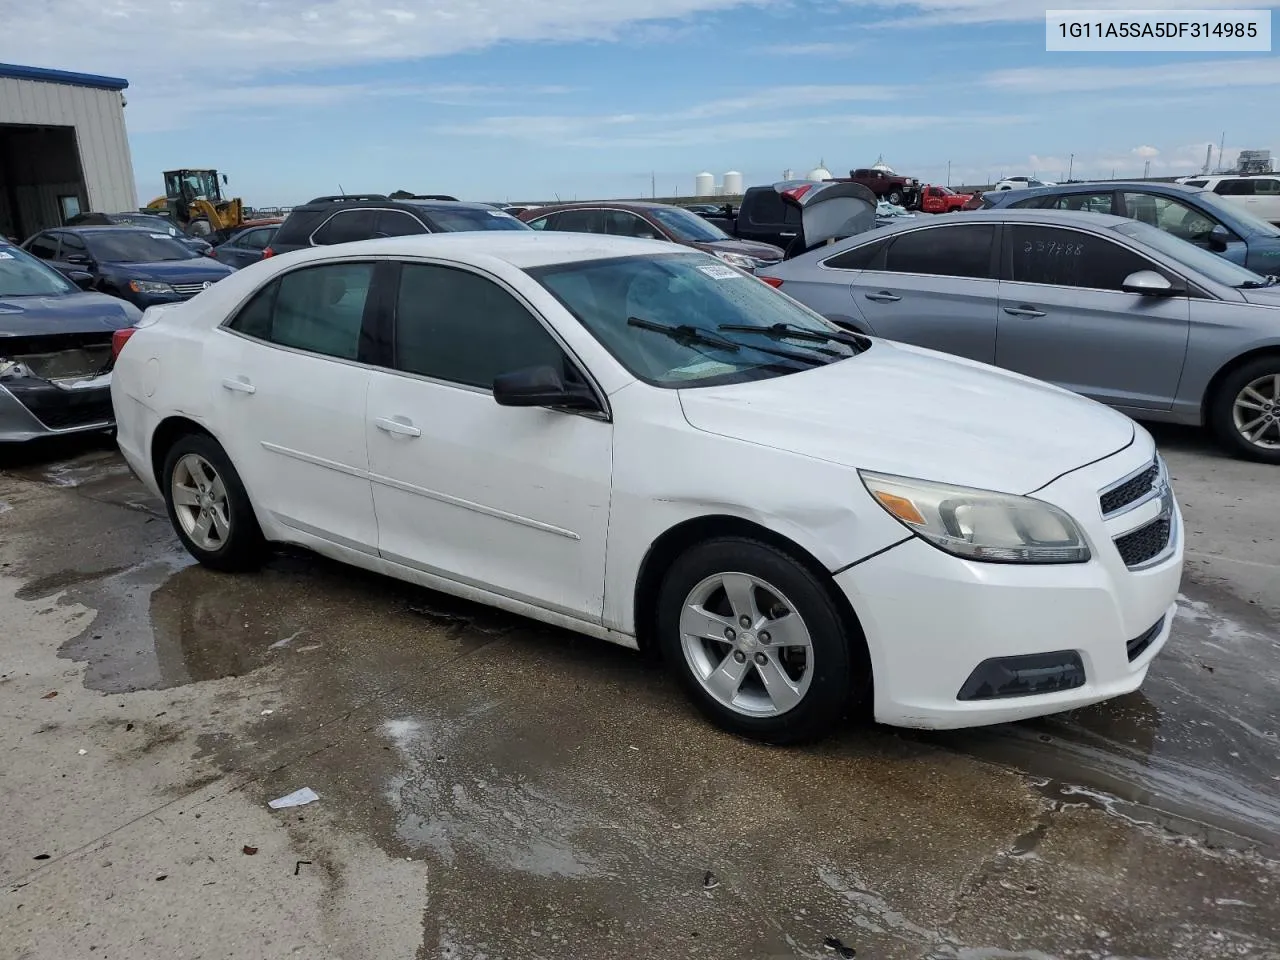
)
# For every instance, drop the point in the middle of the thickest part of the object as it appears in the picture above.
(1068, 258)
(1196, 183)
(1031, 203)
(346, 226)
(397, 223)
(460, 327)
(865, 257)
(299, 225)
(318, 309)
(963, 250)
(1234, 188)
(578, 221)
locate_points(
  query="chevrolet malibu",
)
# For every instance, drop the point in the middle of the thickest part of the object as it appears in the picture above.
(648, 446)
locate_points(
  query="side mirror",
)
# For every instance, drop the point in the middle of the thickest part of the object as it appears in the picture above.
(79, 258)
(1219, 237)
(81, 279)
(1148, 283)
(540, 387)
(225, 180)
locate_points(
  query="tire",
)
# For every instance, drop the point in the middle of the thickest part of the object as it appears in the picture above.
(199, 228)
(1247, 394)
(234, 542)
(895, 197)
(702, 646)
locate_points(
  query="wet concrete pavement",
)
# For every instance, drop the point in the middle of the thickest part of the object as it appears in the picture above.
(494, 788)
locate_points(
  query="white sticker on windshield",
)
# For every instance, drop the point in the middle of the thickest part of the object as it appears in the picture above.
(160, 236)
(716, 272)
(499, 213)
(5, 255)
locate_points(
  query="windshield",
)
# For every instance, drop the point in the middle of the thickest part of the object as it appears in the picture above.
(22, 275)
(1240, 214)
(466, 219)
(154, 224)
(621, 300)
(685, 226)
(135, 246)
(1216, 268)
(945, 191)
(193, 184)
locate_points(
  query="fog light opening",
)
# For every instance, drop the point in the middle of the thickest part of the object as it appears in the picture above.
(1024, 676)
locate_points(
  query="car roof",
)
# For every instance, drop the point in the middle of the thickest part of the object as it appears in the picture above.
(1104, 186)
(95, 228)
(1064, 218)
(636, 205)
(519, 248)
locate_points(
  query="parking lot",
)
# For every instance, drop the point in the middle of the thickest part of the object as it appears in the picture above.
(490, 787)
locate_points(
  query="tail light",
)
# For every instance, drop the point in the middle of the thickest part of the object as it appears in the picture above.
(268, 252)
(118, 339)
(774, 282)
(209, 252)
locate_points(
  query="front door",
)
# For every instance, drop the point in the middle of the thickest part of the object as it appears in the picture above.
(512, 500)
(934, 287)
(289, 385)
(1064, 318)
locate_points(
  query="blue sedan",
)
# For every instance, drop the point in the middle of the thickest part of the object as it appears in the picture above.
(1191, 213)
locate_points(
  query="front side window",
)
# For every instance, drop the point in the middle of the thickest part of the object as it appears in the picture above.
(686, 226)
(1216, 268)
(539, 224)
(673, 320)
(135, 246)
(620, 223)
(72, 246)
(346, 226)
(256, 239)
(1237, 213)
(1069, 258)
(45, 246)
(318, 309)
(460, 327)
(1172, 216)
(963, 250)
(22, 275)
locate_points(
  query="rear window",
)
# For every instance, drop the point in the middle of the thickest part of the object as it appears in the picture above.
(466, 219)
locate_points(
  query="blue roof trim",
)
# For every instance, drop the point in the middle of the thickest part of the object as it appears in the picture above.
(14, 72)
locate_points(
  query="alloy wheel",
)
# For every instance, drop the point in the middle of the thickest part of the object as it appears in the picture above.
(746, 645)
(1256, 412)
(200, 502)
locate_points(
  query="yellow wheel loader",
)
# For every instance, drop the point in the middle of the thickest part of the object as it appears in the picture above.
(194, 199)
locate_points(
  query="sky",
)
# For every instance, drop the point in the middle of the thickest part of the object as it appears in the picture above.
(506, 100)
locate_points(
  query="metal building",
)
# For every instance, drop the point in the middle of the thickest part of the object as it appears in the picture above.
(63, 148)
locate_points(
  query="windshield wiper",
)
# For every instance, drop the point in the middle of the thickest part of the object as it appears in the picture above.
(788, 331)
(686, 333)
(1268, 281)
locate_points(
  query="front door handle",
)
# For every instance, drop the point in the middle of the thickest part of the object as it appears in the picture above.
(238, 385)
(784, 233)
(398, 426)
(884, 296)
(1023, 311)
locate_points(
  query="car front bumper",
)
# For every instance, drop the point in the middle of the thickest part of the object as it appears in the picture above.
(931, 619)
(31, 407)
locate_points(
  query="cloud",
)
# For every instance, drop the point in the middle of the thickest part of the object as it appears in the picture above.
(1145, 152)
(823, 49)
(1198, 74)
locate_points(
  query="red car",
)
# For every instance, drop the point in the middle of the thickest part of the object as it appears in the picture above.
(943, 200)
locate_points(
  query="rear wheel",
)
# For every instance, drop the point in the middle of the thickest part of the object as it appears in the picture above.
(208, 506)
(199, 228)
(1245, 412)
(895, 197)
(758, 642)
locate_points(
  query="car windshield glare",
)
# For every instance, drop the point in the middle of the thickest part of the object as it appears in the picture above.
(1239, 213)
(135, 246)
(467, 219)
(687, 227)
(623, 302)
(22, 275)
(1216, 268)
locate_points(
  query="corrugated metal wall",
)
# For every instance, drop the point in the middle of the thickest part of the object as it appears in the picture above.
(98, 118)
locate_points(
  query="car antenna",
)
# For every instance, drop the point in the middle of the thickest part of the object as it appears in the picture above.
(341, 192)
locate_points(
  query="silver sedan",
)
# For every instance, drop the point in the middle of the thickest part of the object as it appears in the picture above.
(1107, 307)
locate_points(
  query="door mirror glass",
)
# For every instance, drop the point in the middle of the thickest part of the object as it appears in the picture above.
(1148, 283)
(540, 387)
(79, 258)
(1219, 237)
(80, 278)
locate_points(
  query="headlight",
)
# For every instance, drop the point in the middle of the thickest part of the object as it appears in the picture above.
(980, 524)
(149, 286)
(739, 260)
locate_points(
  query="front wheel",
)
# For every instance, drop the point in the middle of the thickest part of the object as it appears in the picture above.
(199, 228)
(758, 643)
(895, 197)
(208, 506)
(1245, 412)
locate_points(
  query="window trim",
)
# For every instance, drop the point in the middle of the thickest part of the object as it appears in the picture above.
(51, 235)
(1194, 290)
(388, 327)
(404, 213)
(368, 325)
(311, 237)
(993, 263)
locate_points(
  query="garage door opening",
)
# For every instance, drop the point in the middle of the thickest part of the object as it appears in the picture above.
(41, 180)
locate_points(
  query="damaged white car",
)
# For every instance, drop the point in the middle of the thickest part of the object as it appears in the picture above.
(55, 350)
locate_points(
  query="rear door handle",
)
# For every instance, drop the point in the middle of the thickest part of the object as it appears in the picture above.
(884, 296)
(238, 385)
(398, 426)
(1023, 311)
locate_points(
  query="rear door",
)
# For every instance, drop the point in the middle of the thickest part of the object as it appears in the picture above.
(934, 287)
(1265, 201)
(1064, 318)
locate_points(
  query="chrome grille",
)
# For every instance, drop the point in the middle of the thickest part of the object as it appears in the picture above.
(188, 289)
(1130, 491)
(1147, 542)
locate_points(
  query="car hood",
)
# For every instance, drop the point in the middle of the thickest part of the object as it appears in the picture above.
(750, 248)
(173, 271)
(917, 413)
(73, 313)
(1263, 296)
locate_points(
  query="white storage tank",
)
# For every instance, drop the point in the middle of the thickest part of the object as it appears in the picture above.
(820, 172)
(704, 185)
(732, 183)
(788, 174)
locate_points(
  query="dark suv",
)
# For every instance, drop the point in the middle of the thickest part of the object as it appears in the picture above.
(344, 219)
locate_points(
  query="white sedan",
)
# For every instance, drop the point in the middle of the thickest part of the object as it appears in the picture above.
(642, 444)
